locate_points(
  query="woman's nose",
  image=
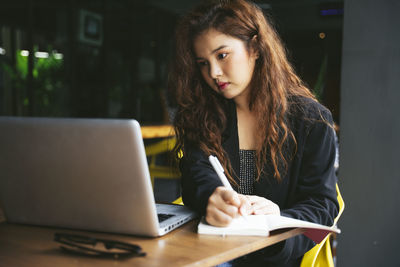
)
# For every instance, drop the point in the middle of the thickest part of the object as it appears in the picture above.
(215, 71)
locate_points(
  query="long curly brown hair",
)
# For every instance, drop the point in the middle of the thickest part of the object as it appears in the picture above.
(201, 116)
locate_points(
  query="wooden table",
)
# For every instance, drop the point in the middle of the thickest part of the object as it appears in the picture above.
(33, 246)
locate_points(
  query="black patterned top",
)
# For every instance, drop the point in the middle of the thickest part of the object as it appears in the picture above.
(247, 174)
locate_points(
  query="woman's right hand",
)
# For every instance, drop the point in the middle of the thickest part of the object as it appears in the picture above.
(224, 205)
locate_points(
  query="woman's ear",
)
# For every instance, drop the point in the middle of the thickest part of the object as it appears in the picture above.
(254, 47)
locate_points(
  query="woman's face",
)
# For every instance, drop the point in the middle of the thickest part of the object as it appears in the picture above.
(225, 64)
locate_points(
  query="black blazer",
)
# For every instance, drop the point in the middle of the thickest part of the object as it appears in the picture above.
(307, 190)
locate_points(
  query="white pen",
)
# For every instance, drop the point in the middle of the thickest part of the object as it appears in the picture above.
(220, 171)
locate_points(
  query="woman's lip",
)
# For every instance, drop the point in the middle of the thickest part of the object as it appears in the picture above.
(222, 85)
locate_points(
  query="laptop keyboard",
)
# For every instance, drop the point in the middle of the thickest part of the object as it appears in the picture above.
(164, 216)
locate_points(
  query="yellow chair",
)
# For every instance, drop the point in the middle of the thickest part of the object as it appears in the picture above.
(152, 151)
(178, 201)
(321, 254)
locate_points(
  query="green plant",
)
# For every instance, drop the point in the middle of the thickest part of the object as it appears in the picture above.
(47, 82)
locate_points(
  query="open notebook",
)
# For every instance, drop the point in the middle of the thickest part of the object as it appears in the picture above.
(87, 174)
(262, 225)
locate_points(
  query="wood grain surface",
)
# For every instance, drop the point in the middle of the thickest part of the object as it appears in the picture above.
(22, 245)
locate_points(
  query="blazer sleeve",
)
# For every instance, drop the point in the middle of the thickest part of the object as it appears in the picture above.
(199, 180)
(315, 198)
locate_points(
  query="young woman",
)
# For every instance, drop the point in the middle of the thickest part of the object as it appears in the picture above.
(239, 99)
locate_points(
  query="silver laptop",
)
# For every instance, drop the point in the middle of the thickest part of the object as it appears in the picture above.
(89, 174)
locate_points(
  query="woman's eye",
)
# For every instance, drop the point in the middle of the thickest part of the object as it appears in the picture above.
(222, 55)
(202, 63)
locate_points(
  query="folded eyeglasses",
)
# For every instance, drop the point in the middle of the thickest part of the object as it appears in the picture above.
(90, 246)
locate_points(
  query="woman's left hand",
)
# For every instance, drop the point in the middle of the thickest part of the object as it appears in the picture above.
(262, 205)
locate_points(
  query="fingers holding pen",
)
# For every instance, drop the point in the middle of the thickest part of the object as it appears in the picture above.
(217, 217)
(226, 204)
(223, 206)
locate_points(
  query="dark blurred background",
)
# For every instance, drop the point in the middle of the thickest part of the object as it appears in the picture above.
(109, 58)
